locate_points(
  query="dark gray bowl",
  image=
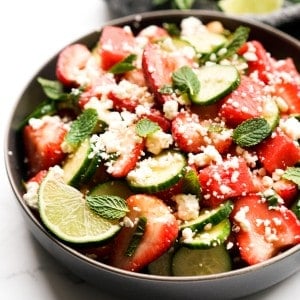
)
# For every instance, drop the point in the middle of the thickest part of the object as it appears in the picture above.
(128, 285)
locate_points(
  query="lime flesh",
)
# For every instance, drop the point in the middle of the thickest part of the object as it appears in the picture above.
(64, 211)
(250, 6)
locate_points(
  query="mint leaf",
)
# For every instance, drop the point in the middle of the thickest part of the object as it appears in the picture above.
(108, 206)
(52, 88)
(124, 65)
(82, 127)
(191, 183)
(293, 174)
(136, 237)
(172, 29)
(239, 37)
(186, 81)
(145, 127)
(251, 132)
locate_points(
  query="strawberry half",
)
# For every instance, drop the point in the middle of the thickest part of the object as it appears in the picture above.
(43, 144)
(71, 64)
(263, 231)
(160, 232)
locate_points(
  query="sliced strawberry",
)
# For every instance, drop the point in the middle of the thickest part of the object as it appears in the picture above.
(129, 155)
(99, 87)
(243, 103)
(160, 232)
(287, 190)
(263, 231)
(188, 133)
(231, 178)
(115, 45)
(71, 64)
(158, 66)
(258, 59)
(278, 152)
(290, 93)
(43, 144)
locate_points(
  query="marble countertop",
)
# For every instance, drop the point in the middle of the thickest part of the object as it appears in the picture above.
(31, 31)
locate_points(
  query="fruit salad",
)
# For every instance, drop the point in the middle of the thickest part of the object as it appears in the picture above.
(171, 151)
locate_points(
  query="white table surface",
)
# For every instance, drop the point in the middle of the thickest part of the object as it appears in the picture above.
(31, 31)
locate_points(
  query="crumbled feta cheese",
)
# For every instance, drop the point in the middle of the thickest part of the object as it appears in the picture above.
(241, 218)
(187, 206)
(158, 141)
(31, 195)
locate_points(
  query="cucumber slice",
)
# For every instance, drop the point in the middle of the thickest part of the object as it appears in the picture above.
(213, 217)
(216, 81)
(157, 173)
(205, 239)
(271, 112)
(115, 188)
(162, 265)
(193, 262)
(206, 41)
(78, 168)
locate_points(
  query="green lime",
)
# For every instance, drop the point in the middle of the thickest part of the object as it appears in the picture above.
(250, 6)
(65, 212)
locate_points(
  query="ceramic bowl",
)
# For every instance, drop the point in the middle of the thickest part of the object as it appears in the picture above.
(129, 285)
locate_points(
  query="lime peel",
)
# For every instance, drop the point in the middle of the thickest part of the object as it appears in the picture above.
(65, 212)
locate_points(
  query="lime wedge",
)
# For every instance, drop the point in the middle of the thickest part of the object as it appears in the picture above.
(250, 6)
(65, 212)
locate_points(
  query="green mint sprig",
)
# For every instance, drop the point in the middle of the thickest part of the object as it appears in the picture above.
(82, 127)
(186, 81)
(108, 206)
(251, 132)
(124, 65)
(145, 127)
(292, 174)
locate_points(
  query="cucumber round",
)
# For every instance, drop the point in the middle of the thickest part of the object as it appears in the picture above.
(157, 173)
(79, 168)
(206, 41)
(212, 216)
(205, 239)
(115, 188)
(216, 81)
(193, 262)
(162, 265)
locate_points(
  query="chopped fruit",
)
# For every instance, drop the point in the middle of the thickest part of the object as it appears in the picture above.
(278, 152)
(258, 59)
(159, 234)
(71, 64)
(287, 190)
(263, 231)
(244, 103)
(219, 182)
(115, 44)
(188, 133)
(290, 93)
(42, 143)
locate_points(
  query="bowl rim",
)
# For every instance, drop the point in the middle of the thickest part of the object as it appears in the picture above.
(99, 265)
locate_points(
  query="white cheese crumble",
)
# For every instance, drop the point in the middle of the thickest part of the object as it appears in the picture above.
(241, 218)
(291, 127)
(187, 206)
(158, 141)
